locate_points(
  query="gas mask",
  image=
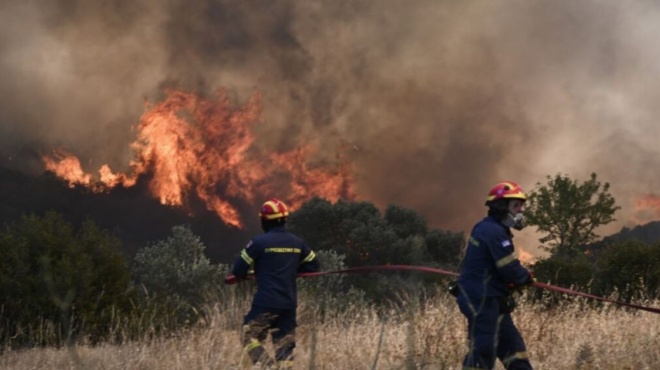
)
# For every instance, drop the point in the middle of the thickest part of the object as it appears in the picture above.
(517, 221)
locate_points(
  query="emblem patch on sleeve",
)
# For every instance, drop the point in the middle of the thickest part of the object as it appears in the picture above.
(506, 243)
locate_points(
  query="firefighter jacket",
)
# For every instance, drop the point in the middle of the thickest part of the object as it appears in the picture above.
(489, 265)
(276, 256)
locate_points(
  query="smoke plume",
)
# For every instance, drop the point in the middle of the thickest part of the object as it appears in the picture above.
(431, 101)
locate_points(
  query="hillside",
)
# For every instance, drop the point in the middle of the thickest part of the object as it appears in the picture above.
(129, 213)
(647, 233)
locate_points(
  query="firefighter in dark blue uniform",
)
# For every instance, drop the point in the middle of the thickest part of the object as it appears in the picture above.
(276, 257)
(489, 274)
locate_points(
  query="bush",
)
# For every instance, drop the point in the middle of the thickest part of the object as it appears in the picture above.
(175, 277)
(566, 271)
(332, 292)
(631, 268)
(73, 282)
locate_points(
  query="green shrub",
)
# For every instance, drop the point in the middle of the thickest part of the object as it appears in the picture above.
(72, 282)
(174, 278)
(333, 292)
(631, 268)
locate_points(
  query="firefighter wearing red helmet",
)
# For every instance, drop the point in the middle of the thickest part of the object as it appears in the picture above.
(488, 275)
(276, 257)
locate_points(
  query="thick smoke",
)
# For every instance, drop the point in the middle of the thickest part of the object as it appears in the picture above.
(432, 101)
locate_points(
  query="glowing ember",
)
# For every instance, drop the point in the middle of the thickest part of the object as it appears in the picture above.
(191, 145)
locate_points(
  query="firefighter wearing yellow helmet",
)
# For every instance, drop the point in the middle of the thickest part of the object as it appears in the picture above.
(489, 273)
(276, 257)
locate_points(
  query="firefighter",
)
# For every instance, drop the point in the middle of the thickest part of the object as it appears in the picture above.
(489, 274)
(276, 257)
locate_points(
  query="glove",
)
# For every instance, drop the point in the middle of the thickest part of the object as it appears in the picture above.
(530, 280)
(230, 279)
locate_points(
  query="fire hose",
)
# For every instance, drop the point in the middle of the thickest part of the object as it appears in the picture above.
(231, 279)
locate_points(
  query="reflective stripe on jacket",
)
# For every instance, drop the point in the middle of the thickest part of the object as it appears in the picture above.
(489, 265)
(276, 256)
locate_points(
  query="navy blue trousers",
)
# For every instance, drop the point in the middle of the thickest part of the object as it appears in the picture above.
(492, 335)
(259, 321)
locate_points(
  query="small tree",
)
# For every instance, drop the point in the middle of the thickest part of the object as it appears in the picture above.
(568, 212)
(177, 274)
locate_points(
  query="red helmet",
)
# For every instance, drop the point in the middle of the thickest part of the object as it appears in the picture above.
(273, 209)
(506, 190)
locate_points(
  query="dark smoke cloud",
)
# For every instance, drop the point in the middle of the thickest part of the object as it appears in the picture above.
(433, 101)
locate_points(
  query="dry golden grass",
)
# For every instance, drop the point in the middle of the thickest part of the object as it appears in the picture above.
(430, 336)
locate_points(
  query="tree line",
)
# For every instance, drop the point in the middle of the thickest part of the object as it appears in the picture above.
(60, 280)
(567, 213)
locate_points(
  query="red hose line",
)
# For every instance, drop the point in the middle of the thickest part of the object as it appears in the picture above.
(231, 280)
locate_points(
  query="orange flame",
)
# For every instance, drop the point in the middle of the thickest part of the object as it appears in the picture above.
(524, 256)
(647, 208)
(67, 167)
(191, 145)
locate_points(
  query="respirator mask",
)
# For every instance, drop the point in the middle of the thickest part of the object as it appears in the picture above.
(517, 222)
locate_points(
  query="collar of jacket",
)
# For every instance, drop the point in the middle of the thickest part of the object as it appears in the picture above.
(276, 229)
(494, 220)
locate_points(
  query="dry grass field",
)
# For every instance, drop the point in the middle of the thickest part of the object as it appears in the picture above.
(416, 336)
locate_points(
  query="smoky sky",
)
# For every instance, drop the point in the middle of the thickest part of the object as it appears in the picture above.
(431, 101)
